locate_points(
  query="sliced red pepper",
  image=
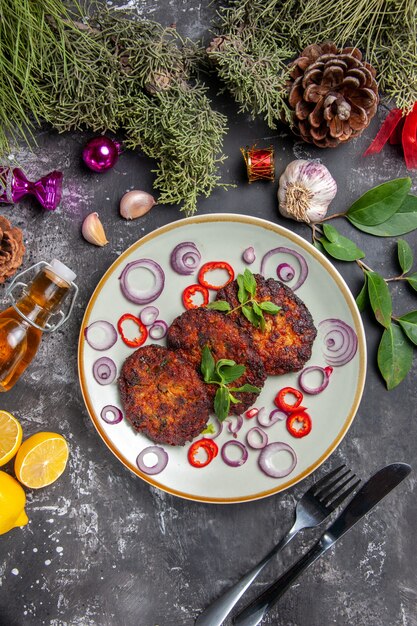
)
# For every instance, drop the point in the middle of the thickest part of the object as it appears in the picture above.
(282, 403)
(188, 294)
(299, 424)
(251, 413)
(388, 126)
(208, 445)
(138, 341)
(215, 265)
(409, 139)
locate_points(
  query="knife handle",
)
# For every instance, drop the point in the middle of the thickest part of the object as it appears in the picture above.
(254, 612)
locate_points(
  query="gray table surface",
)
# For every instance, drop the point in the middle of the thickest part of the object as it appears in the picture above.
(103, 548)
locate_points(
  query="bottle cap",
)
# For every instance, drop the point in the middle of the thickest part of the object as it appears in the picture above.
(63, 271)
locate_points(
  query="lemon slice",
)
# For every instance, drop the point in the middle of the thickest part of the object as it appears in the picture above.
(12, 504)
(10, 437)
(41, 459)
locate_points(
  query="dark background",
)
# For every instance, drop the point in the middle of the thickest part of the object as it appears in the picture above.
(102, 547)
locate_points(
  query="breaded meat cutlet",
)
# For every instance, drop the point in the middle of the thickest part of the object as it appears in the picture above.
(286, 343)
(200, 327)
(162, 396)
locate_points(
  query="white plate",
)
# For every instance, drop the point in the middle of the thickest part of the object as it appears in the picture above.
(225, 237)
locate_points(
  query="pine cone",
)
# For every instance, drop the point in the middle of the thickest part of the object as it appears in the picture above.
(12, 249)
(334, 94)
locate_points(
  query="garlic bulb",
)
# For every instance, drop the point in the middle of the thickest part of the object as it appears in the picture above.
(135, 204)
(93, 231)
(305, 191)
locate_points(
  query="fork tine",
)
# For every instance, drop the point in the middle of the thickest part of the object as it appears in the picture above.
(331, 494)
(325, 478)
(328, 489)
(343, 495)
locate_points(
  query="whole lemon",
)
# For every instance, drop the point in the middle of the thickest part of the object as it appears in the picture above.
(12, 504)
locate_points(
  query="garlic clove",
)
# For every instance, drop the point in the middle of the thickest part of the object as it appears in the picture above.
(93, 231)
(135, 204)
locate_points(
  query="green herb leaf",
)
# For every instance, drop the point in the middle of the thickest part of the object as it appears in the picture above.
(221, 363)
(408, 323)
(269, 307)
(219, 305)
(412, 280)
(222, 403)
(250, 315)
(229, 373)
(362, 297)
(380, 298)
(405, 255)
(402, 222)
(257, 309)
(247, 388)
(249, 281)
(233, 399)
(395, 356)
(378, 204)
(242, 295)
(331, 233)
(207, 364)
(343, 250)
(318, 246)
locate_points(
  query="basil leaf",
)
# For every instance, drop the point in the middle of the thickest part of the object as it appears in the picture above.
(249, 281)
(402, 222)
(222, 403)
(395, 356)
(412, 280)
(229, 373)
(233, 399)
(343, 250)
(257, 309)
(405, 255)
(207, 364)
(408, 323)
(247, 388)
(250, 315)
(269, 307)
(219, 305)
(378, 204)
(242, 295)
(380, 298)
(362, 297)
(223, 363)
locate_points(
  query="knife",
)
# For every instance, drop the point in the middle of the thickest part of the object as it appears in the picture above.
(376, 488)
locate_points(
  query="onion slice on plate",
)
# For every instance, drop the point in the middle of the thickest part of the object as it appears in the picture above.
(234, 424)
(142, 296)
(285, 272)
(324, 372)
(149, 315)
(340, 341)
(185, 258)
(256, 438)
(111, 414)
(158, 330)
(100, 335)
(104, 370)
(266, 459)
(234, 462)
(301, 260)
(249, 255)
(266, 420)
(161, 460)
(213, 428)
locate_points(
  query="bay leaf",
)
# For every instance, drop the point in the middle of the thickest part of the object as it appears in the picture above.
(408, 323)
(412, 280)
(343, 250)
(362, 297)
(405, 255)
(402, 222)
(395, 356)
(380, 298)
(379, 203)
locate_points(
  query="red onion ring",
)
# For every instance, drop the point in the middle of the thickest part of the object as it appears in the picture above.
(161, 463)
(324, 371)
(113, 410)
(158, 330)
(265, 460)
(107, 335)
(249, 255)
(285, 272)
(218, 427)
(104, 370)
(144, 296)
(266, 420)
(242, 449)
(234, 428)
(149, 315)
(340, 342)
(185, 258)
(256, 438)
(297, 255)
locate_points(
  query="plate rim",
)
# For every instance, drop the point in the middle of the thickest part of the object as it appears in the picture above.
(337, 277)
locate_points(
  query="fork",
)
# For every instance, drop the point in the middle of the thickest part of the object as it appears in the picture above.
(312, 509)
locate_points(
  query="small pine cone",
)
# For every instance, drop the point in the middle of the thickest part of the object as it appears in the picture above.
(12, 249)
(333, 93)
